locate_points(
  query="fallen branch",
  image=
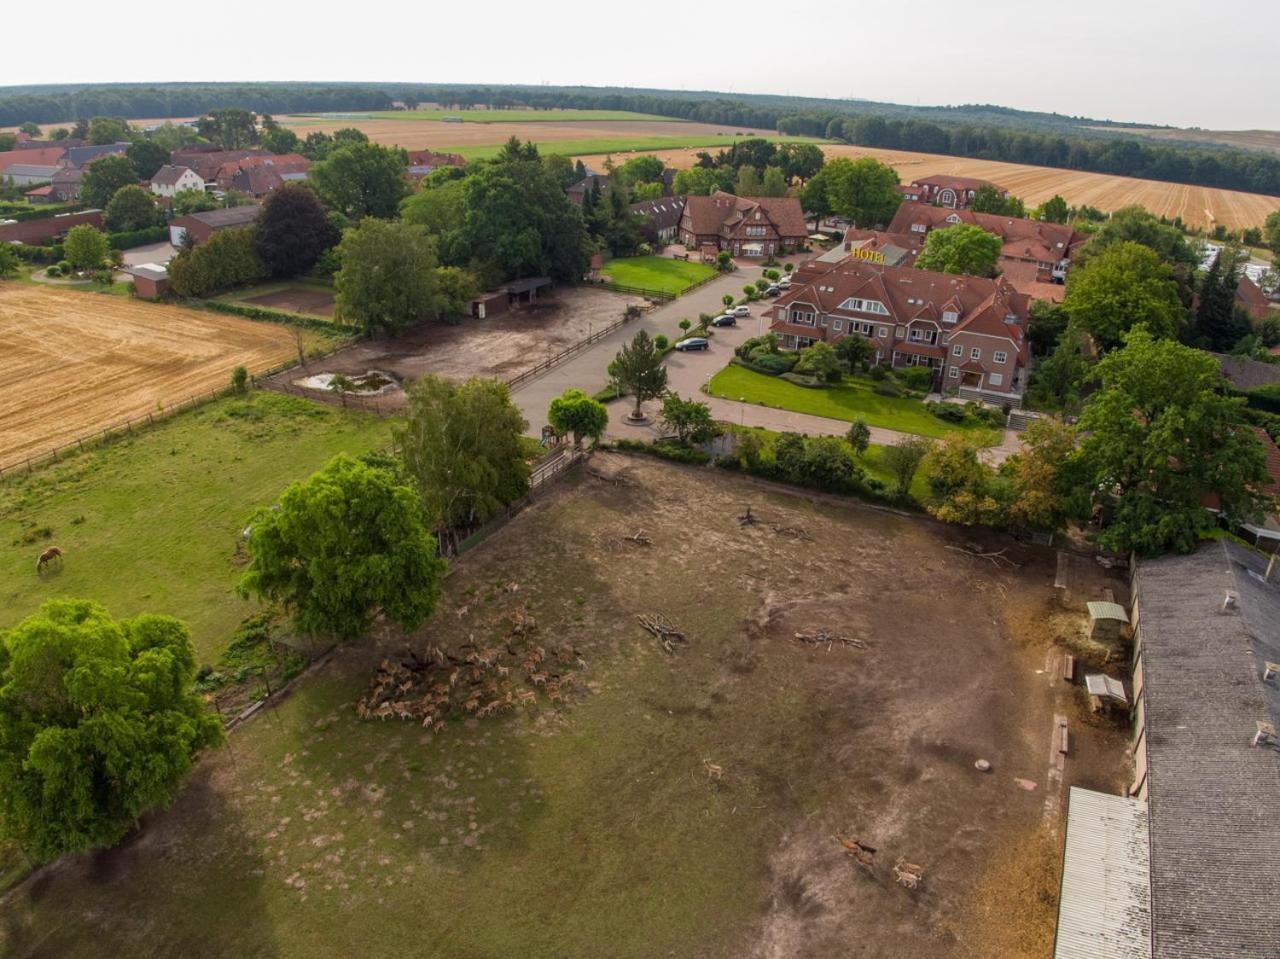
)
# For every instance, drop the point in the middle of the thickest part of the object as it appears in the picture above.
(821, 637)
(666, 632)
(615, 480)
(797, 532)
(997, 557)
(638, 538)
(747, 519)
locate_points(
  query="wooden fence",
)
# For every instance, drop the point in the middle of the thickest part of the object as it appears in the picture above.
(664, 296)
(550, 361)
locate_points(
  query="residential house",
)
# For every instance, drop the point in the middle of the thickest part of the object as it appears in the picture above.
(1246, 374)
(1198, 856)
(81, 157)
(1253, 301)
(41, 194)
(745, 226)
(207, 161)
(956, 192)
(1035, 250)
(970, 331)
(26, 174)
(170, 179)
(48, 157)
(661, 217)
(276, 169)
(200, 226)
(66, 184)
(578, 190)
(432, 160)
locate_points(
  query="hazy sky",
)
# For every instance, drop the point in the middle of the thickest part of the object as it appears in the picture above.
(1182, 62)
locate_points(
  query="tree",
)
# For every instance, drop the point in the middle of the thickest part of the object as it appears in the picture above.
(800, 161)
(104, 130)
(987, 199)
(103, 177)
(461, 445)
(639, 169)
(193, 201)
(1046, 323)
(132, 208)
(862, 190)
(903, 460)
(1271, 231)
(577, 413)
(859, 436)
(1039, 476)
(345, 544)
(30, 129)
(147, 157)
(826, 464)
(1057, 380)
(1134, 224)
(85, 247)
(98, 724)
(455, 288)
(774, 183)
(962, 248)
(1123, 286)
(701, 181)
(690, 420)
(1218, 325)
(441, 208)
(640, 371)
(276, 138)
(9, 261)
(646, 191)
(229, 129)
(727, 300)
(747, 182)
(561, 169)
(362, 179)
(1159, 436)
(292, 230)
(227, 259)
(387, 280)
(819, 360)
(961, 486)
(855, 351)
(1053, 210)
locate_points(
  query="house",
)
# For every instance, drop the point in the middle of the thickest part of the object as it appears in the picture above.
(969, 330)
(45, 229)
(81, 157)
(745, 226)
(150, 280)
(1246, 374)
(1039, 251)
(66, 184)
(26, 174)
(591, 181)
(41, 194)
(207, 161)
(275, 167)
(200, 226)
(432, 160)
(661, 216)
(956, 192)
(170, 179)
(1206, 703)
(1253, 301)
(48, 157)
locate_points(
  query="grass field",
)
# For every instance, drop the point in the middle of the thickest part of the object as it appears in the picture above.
(613, 145)
(657, 273)
(76, 363)
(597, 828)
(151, 523)
(516, 116)
(853, 400)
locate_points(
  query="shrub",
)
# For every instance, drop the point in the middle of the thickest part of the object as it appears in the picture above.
(63, 266)
(859, 436)
(772, 363)
(103, 277)
(666, 451)
(240, 379)
(749, 449)
(661, 342)
(55, 270)
(226, 259)
(128, 240)
(826, 464)
(879, 373)
(888, 388)
(916, 377)
(947, 412)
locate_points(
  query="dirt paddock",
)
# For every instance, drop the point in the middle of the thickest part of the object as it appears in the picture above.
(674, 804)
(498, 346)
(74, 362)
(296, 299)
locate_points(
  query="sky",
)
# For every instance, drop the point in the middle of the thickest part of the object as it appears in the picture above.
(1171, 62)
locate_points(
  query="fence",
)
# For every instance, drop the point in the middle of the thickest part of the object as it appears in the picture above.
(664, 295)
(564, 354)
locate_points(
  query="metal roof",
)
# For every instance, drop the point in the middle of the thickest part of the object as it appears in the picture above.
(1104, 910)
(1108, 611)
(1100, 685)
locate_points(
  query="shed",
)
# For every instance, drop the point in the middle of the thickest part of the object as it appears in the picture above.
(493, 303)
(526, 290)
(1106, 620)
(1104, 908)
(201, 226)
(150, 280)
(1104, 692)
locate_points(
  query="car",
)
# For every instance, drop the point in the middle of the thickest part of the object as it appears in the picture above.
(784, 283)
(773, 291)
(727, 320)
(693, 343)
(743, 310)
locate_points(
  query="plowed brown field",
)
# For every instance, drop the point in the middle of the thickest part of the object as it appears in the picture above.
(1197, 205)
(75, 363)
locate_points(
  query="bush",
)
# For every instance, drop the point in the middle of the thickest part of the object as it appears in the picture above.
(63, 266)
(240, 379)
(661, 342)
(808, 382)
(666, 451)
(104, 277)
(916, 377)
(55, 270)
(227, 259)
(947, 412)
(888, 388)
(128, 240)
(879, 373)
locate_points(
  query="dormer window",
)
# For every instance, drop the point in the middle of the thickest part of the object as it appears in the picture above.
(950, 316)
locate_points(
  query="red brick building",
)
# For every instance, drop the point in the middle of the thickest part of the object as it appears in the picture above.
(955, 192)
(970, 331)
(745, 226)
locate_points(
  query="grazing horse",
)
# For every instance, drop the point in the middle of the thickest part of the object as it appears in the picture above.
(47, 557)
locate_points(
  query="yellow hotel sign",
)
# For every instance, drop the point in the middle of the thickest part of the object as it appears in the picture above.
(871, 256)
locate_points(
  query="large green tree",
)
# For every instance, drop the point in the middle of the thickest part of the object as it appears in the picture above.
(293, 229)
(103, 177)
(362, 179)
(342, 546)
(103, 130)
(1160, 436)
(441, 208)
(193, 201)
(1053, 210)
(639, 371)
(461, 445)
(229, 129)
(1218, 324)
(575, 412)
(85, 247)
(387, 280)
(227, 259)
(1134, 224)
(147, 157)
(800, 161)
(962, 248)
(98, 724)
(861, 190)
(132, 208)
(276, 138)
(1125, 285)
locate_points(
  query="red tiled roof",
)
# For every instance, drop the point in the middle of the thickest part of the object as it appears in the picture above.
(920, 349)
(45, 156)
(716, 213)
(942, 181)
(1023, 239)
(40, 191)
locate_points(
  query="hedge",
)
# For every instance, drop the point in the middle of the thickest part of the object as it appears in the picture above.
(666, 451)
(22, 212)
(132, 238)
(271, 316)
(38, 254)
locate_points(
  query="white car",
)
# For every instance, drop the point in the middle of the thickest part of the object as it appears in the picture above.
(743, 310)
(784, 283)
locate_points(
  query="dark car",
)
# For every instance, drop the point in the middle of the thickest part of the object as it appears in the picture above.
(693, 343)
(726, 320)
(773, 291)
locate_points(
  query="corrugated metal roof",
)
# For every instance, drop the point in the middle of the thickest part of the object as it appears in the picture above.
(1108, 611)
(1104, 911)
(1099, 685)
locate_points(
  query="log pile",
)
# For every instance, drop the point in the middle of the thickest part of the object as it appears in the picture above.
(667, 634)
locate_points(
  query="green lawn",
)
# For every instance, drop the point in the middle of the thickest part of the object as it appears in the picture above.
(152, 523)
(853, 400)
(640, 144)
(657, 273)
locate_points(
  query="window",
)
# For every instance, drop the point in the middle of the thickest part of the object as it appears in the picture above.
(954, 373)
(836, 325)
(900, 332)
(884, 331)
(957, 350)
(950, 316)
(1000, 356)
(995, 379)
(975, 354)
(824, 320)
(874, 306)
(782, 312)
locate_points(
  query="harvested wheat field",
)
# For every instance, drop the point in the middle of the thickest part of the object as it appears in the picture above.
(1197, 205)
(76, 363)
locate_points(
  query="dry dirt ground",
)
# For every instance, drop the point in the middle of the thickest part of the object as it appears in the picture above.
(296, 299)
(499, 346)
(75, 363)
(674, 805)
(1197, 205)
